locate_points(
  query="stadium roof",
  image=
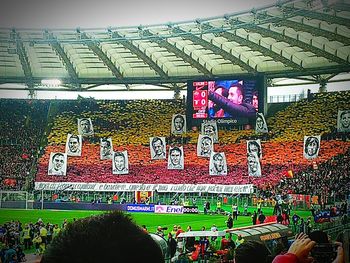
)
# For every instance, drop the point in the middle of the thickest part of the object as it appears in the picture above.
(296, 39)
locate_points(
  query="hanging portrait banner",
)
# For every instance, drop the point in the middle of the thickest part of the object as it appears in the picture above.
(57, 164)
(217, 164)
(254, 146)
(106, 148)
(260, 124)
(343, 121)
(205, 145)
(254, 168)
(178, 124)
(176, 158)
(73, 145)
(120, 163)
(157, 147)
(85, 127)
(311, 146)
(210, 128)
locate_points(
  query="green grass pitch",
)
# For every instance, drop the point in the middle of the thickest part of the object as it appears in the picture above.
(196, 221)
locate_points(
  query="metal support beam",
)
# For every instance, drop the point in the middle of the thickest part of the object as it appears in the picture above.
(254, 46)
(333, 19)
(294, 42)
(323, 84)
(69, 66)
(102, 56)
(176, 90)
(341, 7)
(334, 69)
(173, 49)
(141, 55)
(309, 71)
(216, 50)
(24, 62)
(311, 29)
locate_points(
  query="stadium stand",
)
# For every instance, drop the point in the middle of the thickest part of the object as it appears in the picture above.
(131, 123)
(23, 123)
(307, 41)
(318, 116)
(328, 179)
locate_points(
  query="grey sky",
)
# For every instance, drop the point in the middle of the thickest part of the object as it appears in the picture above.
(104, 13)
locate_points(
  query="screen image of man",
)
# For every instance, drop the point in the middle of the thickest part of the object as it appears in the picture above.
(120, 164)
(220, 88)
(217, 164)
(106, 148)
(254, 146)
(73, 145)
(57, 164)
(176, 158)
(260, 124)
(205, 145)
(178, 124)
(254, 168)
(211, 129)
(85, 127)
(158, 148)
(311, 146)
(343, 123)
(234, 104)
(255, 100)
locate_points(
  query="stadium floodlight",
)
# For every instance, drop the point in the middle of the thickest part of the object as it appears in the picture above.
(51, 82)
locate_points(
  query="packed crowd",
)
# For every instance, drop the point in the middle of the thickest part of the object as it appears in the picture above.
(330, 179)
(22, 126)
(127, 122)
(15, 238)
(119, 238)
(318, 116)
(90, 168)
(130, 124)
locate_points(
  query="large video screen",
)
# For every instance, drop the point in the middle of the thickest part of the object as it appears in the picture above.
(229, 101)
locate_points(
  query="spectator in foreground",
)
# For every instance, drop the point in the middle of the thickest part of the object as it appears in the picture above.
(111, 237)
(299, 251)
(252, 251)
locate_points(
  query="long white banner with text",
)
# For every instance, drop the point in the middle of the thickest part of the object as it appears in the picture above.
(162, 188)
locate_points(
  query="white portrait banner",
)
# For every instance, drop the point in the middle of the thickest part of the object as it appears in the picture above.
(106, 148)
(260, 123)
(85, 127)
(120, 163)
(254, 168)
(254, 146)
(217, 164)
(311, 146)
(210, 128)
(178, 124)
(131, 187)
(73, 145)
(57, 164)
(343, 121)
(176, 158)
(157, 146)
(205, 145)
